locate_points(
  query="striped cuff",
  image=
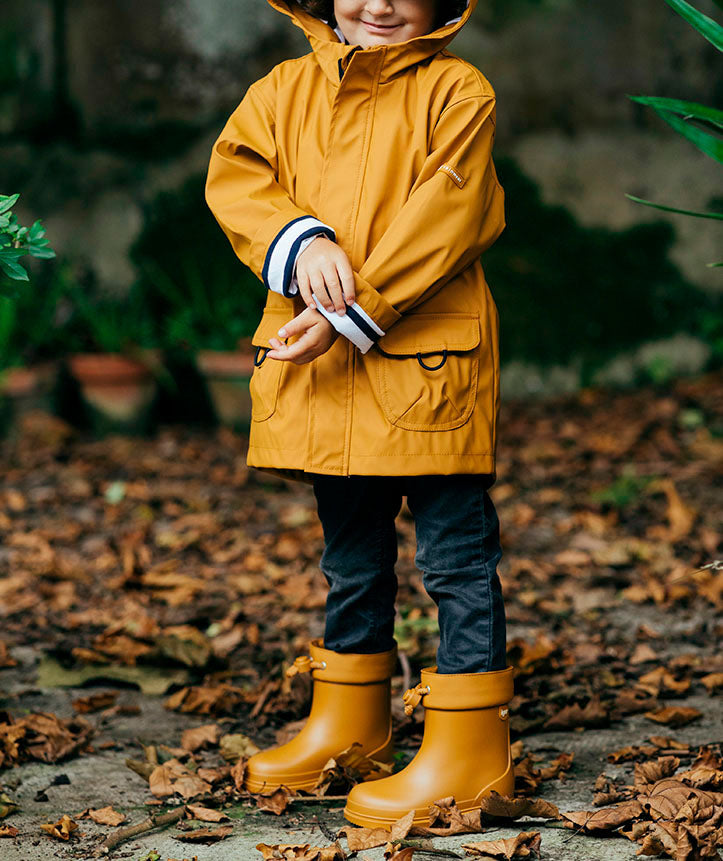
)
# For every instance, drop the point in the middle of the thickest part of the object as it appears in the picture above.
(356, 325)
(278, 269)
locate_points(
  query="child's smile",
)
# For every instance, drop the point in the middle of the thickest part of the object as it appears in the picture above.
(383, 22)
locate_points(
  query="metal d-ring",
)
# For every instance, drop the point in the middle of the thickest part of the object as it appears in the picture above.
(258, 364)
(436, 367)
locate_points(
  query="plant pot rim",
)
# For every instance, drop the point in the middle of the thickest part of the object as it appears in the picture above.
(102, 367)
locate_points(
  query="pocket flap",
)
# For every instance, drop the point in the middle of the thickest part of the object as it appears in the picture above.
(431, 333)
(269, 326)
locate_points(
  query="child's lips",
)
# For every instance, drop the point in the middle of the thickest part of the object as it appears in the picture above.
(379, 28)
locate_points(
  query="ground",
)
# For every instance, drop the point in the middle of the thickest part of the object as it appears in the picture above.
(165, 575)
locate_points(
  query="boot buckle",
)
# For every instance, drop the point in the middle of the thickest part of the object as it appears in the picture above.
(413, 697)
(304, 664)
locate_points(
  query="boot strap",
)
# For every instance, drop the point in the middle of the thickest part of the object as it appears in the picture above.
(413, 697)
(304, 664)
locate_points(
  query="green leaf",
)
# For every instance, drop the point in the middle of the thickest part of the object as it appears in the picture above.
(714, 265)
(707, 143)
(13, 270)
(715, 215)
(706, 26)
(7, 202)
(41, 253)
(37, 231)
(685, 109)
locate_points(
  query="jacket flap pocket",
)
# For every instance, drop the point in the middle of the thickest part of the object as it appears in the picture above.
(431, 333)
(269, 327)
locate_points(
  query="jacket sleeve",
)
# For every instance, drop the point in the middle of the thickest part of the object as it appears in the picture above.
(455, 210)
(263, 224)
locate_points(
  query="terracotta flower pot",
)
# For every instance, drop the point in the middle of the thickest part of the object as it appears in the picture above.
(117, 390)
(26, 389)
(227, 375)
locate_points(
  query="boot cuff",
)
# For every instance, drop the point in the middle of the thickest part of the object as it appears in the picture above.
(352, 668)
(452, 692)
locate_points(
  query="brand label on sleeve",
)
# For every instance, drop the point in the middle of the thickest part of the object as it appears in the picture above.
(454, 174)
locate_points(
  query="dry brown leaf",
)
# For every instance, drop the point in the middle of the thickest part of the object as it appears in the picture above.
(713, 682)
(107, 816)
(348, 768)
(300, 852)
(219, 699)
(237, 774)
(95, 702)
(512, 807)
(205, 835)
(558, 767)
(666, 797)
(205, 814)
(369, 838)
(8, 831)
(594, 714)
(200, 737)
(62, 829)
(674, 715)
(647, 773)
(523, 845)
(275, 802)
(234, 746)
(605, 819)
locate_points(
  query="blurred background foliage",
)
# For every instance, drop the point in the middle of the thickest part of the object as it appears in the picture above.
(107, 117)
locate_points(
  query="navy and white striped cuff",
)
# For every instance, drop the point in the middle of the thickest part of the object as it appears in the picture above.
(278, 269)
(356, 325)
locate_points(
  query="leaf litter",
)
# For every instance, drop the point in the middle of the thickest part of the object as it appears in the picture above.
(195, 565)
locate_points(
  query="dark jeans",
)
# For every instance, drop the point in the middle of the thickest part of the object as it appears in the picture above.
(458, 548)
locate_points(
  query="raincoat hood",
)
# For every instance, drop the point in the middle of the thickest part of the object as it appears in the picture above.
(332, 55)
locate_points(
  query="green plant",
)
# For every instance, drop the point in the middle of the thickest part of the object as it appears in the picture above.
(626, 488)
(110, 325)
(30, 324)
(195, 286)
(700, 124)
(15, 242)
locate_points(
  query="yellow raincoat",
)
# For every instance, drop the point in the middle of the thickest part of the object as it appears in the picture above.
(387, 150)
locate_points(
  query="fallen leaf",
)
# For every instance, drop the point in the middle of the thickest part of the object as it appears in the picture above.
(107, 816)
(205, 835)
(674, 715)
(276, 802)
(523, 845)
(205, 814)
(200, 737)
(605, 819)
(62, 829)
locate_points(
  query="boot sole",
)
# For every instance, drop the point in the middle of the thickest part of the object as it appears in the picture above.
(368, 818)
(306, 781)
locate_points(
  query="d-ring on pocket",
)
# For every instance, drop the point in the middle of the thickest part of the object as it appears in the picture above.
(436, 367)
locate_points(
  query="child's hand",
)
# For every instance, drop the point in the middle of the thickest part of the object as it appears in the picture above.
(317, 336)
(324, 270)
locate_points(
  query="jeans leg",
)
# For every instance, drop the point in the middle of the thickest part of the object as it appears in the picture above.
(458, 549)
(357, 514)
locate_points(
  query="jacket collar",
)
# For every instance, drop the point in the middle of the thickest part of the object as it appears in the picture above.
(333, 55)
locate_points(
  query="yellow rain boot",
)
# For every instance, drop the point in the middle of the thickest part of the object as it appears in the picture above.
(465, 750)
(351, 703)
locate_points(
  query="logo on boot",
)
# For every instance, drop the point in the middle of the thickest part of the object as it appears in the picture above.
(504, 712)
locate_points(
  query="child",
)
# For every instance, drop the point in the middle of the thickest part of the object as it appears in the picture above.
(357, 182)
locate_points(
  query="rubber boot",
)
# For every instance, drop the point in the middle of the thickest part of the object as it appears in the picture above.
(351, 703)
(465, 750)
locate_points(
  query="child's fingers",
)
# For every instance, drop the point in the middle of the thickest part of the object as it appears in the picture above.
(331, 278)
(346, 273)
(318, 288)
(305, 289)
